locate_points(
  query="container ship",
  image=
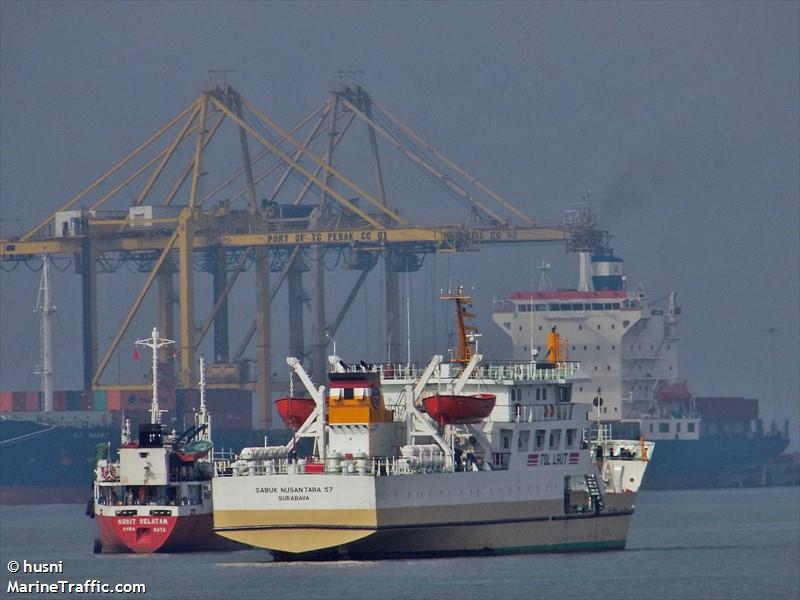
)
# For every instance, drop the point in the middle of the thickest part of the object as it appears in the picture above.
(628, 347)
(439, 465)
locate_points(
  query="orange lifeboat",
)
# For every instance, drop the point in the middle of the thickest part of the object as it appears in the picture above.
(294, 411)
(448, 409)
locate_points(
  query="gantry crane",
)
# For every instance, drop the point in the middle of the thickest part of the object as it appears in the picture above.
(290, 207)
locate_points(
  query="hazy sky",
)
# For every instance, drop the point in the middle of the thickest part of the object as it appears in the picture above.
(680, 118)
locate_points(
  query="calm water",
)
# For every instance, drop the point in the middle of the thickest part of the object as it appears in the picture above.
(742, 543)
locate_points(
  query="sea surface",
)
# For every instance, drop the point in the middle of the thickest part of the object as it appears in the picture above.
(723, 543)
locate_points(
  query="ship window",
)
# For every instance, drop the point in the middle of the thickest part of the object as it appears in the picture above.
(597, 306)
(572, 435)
(507, 325)
(626, 323)
(348, 393)
(585, 348)
(663, 427)
(668, 347)
(540, 327)
(566, 307)
(541, 307)
(505, 436)
(521, 308)
(580, 327)
(608, 367)
(678, 427)
(616, 305)
(613, 326)
(613, 347)
(607, 306)
(520, 327)
(573, 348)
(538, 440)
(577, 307)
(544, 393)
(554, 307)
(523, 440)
(651, 428)
(690, 427)
(537, 393)
(555, 439)
(598, 347)
(595, 367)
(525, 348)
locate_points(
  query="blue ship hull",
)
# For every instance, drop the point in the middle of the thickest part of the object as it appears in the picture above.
(704, 463)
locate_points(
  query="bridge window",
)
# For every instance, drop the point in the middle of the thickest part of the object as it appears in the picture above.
(541, 307)
(566, 307)
(577, 307)
(616, 305)
(597, 306)
(663, 427)
(538, 440)
(554, 307)
(523, 440)
(690, 427)
(572, 436)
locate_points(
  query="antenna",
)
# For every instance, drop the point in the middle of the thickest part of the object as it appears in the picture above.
(154, 343)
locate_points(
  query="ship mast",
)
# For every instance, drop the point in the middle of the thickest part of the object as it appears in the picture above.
(203, 418)
(45, 309)
(154, 343)
(465, 333)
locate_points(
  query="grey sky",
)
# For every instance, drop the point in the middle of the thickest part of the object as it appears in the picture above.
(680, 118)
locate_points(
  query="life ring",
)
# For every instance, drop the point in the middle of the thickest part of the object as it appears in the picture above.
(109, 474)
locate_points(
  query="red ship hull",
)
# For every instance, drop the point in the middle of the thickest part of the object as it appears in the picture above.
(144, 535)
(295, 411)
(448, 409)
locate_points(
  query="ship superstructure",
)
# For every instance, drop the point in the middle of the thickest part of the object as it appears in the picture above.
(386, 479)
(628, 348)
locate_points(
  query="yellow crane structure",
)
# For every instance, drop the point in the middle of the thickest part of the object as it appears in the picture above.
(159, 207)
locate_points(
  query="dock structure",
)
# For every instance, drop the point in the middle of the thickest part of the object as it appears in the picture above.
(168, 210)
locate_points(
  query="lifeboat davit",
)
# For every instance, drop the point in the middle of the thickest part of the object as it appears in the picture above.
(295, 411)
(448, 409)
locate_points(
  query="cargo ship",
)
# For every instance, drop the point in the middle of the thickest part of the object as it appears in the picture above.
(628, 347)
(431, 466)
(156, 497)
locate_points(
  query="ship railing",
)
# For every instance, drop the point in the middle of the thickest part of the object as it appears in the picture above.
(489, 371)
(543, 412)
(378, 466)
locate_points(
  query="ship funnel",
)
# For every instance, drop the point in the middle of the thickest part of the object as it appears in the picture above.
(608, 273)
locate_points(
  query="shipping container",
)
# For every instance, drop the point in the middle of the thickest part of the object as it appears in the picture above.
(99, 400)
(113, 399)
(32, 401)
(73, 400)
(60, 400)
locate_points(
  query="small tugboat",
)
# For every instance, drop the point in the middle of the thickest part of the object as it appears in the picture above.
(157, 496)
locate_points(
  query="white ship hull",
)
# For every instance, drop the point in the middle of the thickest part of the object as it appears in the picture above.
(492, 512)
